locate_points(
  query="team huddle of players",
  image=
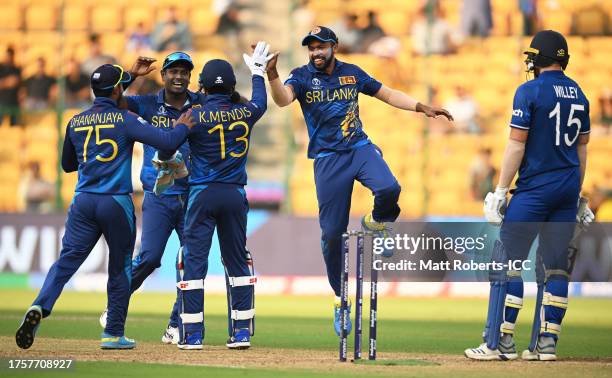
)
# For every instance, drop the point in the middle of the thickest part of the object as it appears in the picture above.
(194, 173)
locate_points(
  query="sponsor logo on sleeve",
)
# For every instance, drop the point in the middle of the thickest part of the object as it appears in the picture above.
(517, 113)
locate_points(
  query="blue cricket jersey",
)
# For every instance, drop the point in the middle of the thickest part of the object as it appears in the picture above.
(330, 106)
(556, 112)
(154, 109)
(219, 141)
(99, 143)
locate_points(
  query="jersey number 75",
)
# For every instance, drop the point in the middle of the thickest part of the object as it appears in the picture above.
(99, 142)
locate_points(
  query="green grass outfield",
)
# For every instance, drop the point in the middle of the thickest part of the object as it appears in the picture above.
(437, 326)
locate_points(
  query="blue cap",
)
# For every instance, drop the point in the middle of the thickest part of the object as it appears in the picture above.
(108, 76)
(217, 73)
(175, 57)
(320, 33)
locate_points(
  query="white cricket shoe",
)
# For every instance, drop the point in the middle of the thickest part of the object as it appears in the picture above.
(546, 349)
(483, 353)
(171, 335)
(528, 355)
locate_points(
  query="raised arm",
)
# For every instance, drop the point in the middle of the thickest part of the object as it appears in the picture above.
(141, 67)
(401, 100)
(282, 95)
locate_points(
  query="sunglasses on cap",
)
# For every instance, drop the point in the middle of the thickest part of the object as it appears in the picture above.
(176, 57)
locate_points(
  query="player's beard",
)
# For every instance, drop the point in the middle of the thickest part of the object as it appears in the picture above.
(327, 60)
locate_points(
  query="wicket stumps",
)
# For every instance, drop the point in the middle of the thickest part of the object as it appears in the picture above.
(344, 313)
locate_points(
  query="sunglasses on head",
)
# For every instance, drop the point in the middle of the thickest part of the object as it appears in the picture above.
(176, 56)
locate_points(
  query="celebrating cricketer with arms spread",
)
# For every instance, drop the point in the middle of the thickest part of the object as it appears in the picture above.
(328, 90)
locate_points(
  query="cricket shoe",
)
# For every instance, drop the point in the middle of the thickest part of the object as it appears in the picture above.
(546, 348)
(116, 342)
(193, 341)
(378, 229)
(240, 340)
(505, 352)
(171, 335)
(27, 330)
(529, 355)
(338, 317)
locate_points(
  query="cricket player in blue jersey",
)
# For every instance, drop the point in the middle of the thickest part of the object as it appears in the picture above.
(162, 212)
(219, 149)
(99, 143)
(549, 132)
(327, 90)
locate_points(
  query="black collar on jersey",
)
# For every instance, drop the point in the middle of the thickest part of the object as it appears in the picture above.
(313, 69)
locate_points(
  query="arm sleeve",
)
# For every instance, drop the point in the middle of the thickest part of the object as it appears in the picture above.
(141, 131)
(521, 110)
(294, 80)
(259, 98)
(366, 83)
(586, 125)
(70, 162)
(134, 104)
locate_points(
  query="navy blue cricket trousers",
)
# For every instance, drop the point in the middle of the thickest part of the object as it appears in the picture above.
(335, 175)
(225, 207)
(160, 216)
(90, 216)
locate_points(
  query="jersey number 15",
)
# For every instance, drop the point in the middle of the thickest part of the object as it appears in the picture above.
(556, 112)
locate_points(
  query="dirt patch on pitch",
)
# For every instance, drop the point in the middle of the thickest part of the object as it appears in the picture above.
(300, 359)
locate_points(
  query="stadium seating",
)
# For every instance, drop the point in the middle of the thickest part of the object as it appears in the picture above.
(432, 168)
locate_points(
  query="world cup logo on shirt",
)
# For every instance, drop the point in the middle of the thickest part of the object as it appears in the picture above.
(316, 83)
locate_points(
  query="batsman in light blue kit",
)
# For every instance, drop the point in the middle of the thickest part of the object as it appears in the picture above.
(99, 144)
(327, 90)
(549, 132)
(162, 212)
(219, 149)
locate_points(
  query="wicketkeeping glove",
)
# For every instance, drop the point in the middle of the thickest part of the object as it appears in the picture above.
(260, 58)
(495, 206)
(585, 215)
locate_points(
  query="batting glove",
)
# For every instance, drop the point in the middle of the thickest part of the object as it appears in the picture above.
(585, 215)
(495, 206)
(260, 58)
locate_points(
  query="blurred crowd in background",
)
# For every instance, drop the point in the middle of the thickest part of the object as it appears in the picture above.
(439, 51)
